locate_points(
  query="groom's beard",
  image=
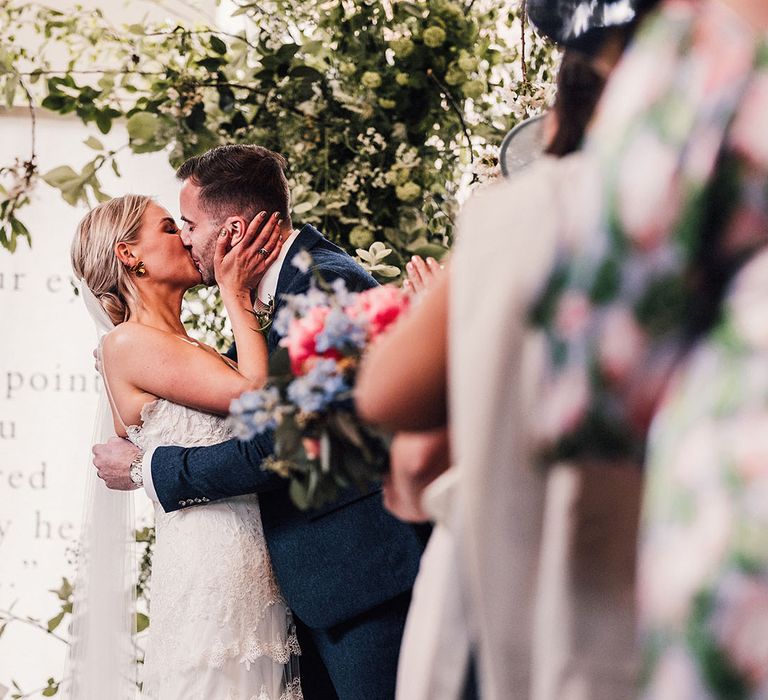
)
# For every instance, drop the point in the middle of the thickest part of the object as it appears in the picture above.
(204, 263)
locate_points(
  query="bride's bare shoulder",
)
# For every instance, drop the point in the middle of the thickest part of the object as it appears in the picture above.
(135, 338)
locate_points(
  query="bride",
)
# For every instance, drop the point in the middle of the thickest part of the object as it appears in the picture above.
(220, 629)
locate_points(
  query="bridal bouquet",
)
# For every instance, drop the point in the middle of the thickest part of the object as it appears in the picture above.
(321, 445)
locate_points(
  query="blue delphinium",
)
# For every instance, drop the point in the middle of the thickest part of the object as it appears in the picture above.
(255, 412)
(319, 388)
(341, 332)
(342, 295)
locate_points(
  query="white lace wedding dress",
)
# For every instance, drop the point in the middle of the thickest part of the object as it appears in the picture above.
(219, 628)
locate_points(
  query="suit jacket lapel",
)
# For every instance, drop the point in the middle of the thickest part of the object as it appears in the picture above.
(307, 239)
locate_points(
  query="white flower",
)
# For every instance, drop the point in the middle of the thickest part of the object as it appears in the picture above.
(302, 261)
(372, 260)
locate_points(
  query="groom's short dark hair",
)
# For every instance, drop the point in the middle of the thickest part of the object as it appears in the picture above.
(239, 179)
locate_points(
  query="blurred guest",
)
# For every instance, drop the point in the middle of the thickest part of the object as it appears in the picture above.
(485, 591)
(687, 245)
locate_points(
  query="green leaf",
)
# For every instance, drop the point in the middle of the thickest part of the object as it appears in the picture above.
(60, 176)
(103, 122)
(19, 229)
(298, 493)
(306, 72)
(142, 126)
(226, 99)
(218, 45)
(55, 621)
(56, 103)
(64, 592)
(94, 143)
(10, 90)
(142, 622)
(97, 192)
(195, 120)
(210, 63)
(430, 250)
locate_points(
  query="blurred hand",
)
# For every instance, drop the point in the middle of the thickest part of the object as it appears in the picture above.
(416, 460)
(421, 274)
(97, 359)
(113, 462)
(241, 259)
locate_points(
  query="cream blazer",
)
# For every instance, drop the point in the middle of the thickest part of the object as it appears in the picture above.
(546, 557)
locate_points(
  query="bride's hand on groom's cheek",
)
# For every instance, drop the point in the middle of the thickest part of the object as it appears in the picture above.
(241, 259)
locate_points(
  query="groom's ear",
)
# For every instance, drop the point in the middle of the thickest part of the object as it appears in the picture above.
(236, 226)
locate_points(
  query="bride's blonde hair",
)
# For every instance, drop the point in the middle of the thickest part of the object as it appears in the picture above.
(93, 252)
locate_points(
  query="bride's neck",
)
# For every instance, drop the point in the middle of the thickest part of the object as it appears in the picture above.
(159, 308)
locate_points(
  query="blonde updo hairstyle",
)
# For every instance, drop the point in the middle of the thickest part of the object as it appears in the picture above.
(93, 252)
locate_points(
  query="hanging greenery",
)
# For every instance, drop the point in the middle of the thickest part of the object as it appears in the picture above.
(383, 109)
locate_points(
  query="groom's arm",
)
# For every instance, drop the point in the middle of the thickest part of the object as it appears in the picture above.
(180, 477)
(187, 476)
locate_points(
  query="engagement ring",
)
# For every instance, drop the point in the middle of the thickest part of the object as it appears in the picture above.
(264, 252)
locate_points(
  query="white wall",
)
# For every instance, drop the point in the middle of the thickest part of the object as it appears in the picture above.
(48, 389)
(48, 386)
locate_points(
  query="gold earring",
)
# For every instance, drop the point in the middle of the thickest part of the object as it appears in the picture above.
(138, 269)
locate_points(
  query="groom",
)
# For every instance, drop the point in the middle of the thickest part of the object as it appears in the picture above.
(346, 571)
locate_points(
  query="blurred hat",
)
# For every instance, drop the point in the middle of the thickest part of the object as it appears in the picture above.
(581, 24)
(523, 145)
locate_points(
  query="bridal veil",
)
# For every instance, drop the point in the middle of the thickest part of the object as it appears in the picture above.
(102, 655)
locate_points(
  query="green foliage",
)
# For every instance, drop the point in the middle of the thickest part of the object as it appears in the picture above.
(382, 109)
(145, 539)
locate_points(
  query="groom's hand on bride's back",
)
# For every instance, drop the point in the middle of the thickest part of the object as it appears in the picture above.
(113, 463)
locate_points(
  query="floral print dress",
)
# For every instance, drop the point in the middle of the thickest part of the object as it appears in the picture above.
(669, 299)
(680, 143)
(703, 581)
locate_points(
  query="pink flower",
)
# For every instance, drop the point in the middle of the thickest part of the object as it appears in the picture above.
(648, 190)
(572, 314)
(311, 447)
(741, 624)
(564, 406)
(723, 46)
(302, 336)
(748, 131)
(381, 306)
(622, 344)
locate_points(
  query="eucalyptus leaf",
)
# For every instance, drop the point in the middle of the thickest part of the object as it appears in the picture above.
(142, 622)
(59, 176)
(55, 621)
(9, 91)
(94, 143)
(142, 126)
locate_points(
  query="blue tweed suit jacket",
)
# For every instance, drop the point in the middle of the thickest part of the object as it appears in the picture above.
(332, 564)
